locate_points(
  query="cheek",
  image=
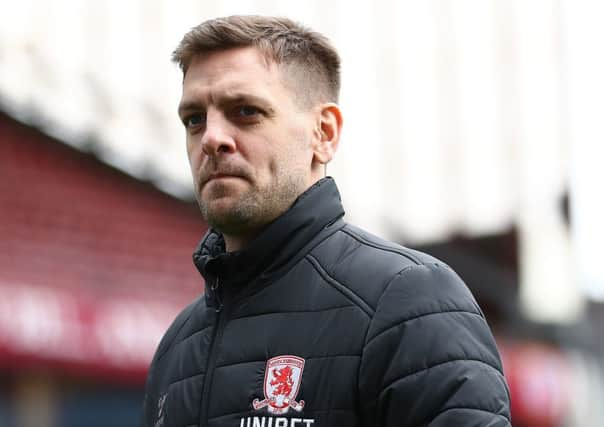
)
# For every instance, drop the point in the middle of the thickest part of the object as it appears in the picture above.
(194, 154)
(291, 158)
(300, 147)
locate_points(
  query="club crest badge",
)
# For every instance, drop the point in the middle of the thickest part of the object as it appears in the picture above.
(281, 385)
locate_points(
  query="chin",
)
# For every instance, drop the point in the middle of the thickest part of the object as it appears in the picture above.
(219, 207)
(222, 206)
(216, 190)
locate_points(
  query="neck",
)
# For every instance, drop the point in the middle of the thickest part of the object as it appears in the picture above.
(233, 243)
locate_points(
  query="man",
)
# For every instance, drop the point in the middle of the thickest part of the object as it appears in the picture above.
(306, 320)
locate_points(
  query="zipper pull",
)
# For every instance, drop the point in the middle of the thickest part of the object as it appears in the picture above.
(215, 289)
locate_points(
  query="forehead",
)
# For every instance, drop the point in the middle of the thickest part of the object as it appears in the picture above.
(233, 70)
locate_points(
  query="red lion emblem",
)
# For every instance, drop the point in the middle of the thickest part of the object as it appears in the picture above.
(283, 381)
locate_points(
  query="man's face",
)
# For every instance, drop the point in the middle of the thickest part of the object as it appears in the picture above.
(249, 143)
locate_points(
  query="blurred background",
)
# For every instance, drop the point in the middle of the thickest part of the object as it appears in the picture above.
(474, 130)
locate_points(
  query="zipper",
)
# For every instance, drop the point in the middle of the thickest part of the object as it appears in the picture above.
(216, 293)
(211, 364)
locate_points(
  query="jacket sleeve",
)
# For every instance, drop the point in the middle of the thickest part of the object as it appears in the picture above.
(430, 358)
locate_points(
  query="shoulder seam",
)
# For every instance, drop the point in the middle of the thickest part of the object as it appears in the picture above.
(343, 289)
(392, 279)
(364, 241)
(376, 307)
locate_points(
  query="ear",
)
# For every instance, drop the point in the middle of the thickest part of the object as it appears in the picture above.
(327, 133)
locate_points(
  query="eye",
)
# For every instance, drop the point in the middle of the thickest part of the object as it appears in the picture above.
(248, 111)
(194, 120)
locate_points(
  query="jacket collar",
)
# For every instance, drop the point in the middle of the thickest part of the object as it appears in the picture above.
(316, 208)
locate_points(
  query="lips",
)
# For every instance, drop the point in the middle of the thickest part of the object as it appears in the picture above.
(223, 175)
(218, 175)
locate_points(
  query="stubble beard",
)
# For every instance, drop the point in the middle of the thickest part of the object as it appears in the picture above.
(256, 207)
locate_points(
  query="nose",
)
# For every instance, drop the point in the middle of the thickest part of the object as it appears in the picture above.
(217, 137)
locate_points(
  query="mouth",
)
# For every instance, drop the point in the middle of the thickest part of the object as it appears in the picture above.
(222, 176)
(219, 176)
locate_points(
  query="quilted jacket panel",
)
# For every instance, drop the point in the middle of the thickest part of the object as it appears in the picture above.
(319, 323)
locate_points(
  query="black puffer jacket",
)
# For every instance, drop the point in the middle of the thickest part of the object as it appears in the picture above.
(319, 323)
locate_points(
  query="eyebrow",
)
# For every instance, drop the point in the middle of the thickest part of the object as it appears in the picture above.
(186, 106)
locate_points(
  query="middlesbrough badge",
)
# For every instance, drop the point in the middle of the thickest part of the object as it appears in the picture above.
(281, 384)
